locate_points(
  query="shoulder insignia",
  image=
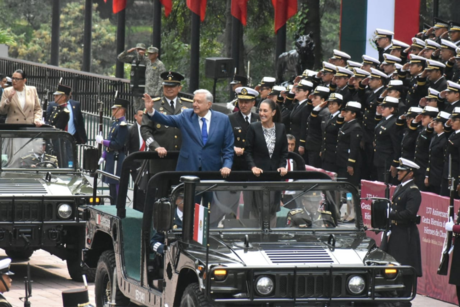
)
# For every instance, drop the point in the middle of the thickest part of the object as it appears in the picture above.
(123, 123)
(156, 99)
(28, 156)
(295, 211)
(66, 110)
(186, 99)
(414, 187)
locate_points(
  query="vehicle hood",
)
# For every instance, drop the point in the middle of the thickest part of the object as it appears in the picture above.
(27, 184)
(348, 250)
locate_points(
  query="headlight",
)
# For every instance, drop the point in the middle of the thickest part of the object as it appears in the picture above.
(264, 285)
(64, 211)
(356, 285)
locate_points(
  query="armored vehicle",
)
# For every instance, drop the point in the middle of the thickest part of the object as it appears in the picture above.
(272, 257)
(41, 188)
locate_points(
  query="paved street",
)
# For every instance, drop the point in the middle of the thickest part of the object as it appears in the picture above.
(50, 277)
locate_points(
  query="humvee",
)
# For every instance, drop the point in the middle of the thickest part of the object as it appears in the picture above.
(230, 259)
(41, 188)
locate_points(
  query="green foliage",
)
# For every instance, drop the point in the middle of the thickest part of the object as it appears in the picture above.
(38, 49)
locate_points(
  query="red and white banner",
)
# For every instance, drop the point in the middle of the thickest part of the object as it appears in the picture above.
(433, 211)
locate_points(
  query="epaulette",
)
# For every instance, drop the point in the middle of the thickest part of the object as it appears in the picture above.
(66, 110)
(123, 123)
(295, 211)
(156, 99)
(27, 156)
(186, 99)
(50, 156)
(414, 187)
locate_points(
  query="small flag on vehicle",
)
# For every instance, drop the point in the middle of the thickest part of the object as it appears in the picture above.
(200, 224)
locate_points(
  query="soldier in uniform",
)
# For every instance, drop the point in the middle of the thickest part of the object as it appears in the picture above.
(114, 145)
(300, 113)
(452, 149)
(238, 81)
(154, 67)
(387, 139)
(388, 66)
(161, 138)
(138, 62)
(454, 32)
(60, 115)
(404, 240)
(353, 83)
(368, 96)
(240, 121)
(433, 174)
(339, 83)
(339, 58)
(333, 124)
(417, 46)
(264, 89)
(5, 285)
(316, 124)
(415, 67)
(410, 134)
(452, 96)
(39, 158)
(399, 50)
(348, 142)
(432, 77)
(327, 74)
(383, 41)
(313, 212)
(370, 62)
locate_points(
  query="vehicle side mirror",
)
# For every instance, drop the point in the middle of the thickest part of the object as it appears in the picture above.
(90, 159)
(380, 213)
(162, 210)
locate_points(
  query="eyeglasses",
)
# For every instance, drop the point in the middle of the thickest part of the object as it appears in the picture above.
(17, 79)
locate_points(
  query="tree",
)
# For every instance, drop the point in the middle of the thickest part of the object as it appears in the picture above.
(71, 41)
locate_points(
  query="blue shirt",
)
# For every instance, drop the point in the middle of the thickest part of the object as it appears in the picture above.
(71, 126)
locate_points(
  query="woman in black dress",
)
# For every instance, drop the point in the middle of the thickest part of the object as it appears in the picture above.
(267, 150)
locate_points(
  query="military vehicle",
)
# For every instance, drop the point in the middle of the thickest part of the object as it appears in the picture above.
(274, 257)
(41, 188)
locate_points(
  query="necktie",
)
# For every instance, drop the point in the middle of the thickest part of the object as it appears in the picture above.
(142, 146)
(332, 115)
(204, 131)
(247, 119)
(172, 104)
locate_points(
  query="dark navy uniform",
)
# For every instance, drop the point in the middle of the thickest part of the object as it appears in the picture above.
(298, 122)
(421, 154)
(436, 162)
(387, 146)
(315, 126)
(452, 149)
(177, 221)
(329, 144)
(348, 150)
(408, 140)
(59, 117)
(4, 302)
(115, 149)
(5, 270)
(240, 129)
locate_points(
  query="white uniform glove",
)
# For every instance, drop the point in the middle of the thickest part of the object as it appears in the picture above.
(99, 139)
(101, 160)
(449, 224)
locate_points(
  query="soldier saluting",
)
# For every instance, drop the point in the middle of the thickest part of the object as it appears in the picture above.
(60, 115)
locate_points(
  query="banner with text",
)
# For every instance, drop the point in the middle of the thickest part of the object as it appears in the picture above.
(433, 212)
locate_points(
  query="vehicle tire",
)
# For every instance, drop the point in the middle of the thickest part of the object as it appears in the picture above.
(19, 254)
(193, 297)
(76, 271)
(103, 282)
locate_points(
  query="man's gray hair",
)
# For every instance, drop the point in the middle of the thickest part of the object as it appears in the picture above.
(290, 137)
(206, 92)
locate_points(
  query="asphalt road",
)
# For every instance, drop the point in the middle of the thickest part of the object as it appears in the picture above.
(50, 278)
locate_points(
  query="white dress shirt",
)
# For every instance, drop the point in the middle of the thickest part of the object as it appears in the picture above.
(207, 117)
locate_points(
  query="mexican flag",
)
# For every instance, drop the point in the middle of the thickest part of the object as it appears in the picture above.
(200, 224)
(360, 18)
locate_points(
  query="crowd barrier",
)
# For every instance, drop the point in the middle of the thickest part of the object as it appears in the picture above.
(433, 212)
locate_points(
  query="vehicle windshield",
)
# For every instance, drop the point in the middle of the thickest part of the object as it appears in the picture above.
(291, 205)
(37, 151)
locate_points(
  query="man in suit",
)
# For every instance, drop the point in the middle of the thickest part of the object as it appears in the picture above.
(164, 138)
(20, 102)
(240, 121)
(75, 124)
(207, 135)
(134, 141)
(114, 151)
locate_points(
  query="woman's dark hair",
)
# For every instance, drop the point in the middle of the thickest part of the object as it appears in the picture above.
(276, 107)
(20, 71)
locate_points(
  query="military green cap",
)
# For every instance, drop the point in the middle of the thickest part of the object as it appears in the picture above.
(152, 49)
(140, 46)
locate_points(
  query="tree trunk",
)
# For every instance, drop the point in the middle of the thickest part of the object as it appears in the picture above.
(314, 26)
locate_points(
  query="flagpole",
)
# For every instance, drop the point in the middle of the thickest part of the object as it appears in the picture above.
(55, 25)
(280, 41)
(119, 70)
(87, 36)
(195, 54)
(157, 25)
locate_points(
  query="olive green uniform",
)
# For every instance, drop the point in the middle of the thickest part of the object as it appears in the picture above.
(153, 81)
(33, 159)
